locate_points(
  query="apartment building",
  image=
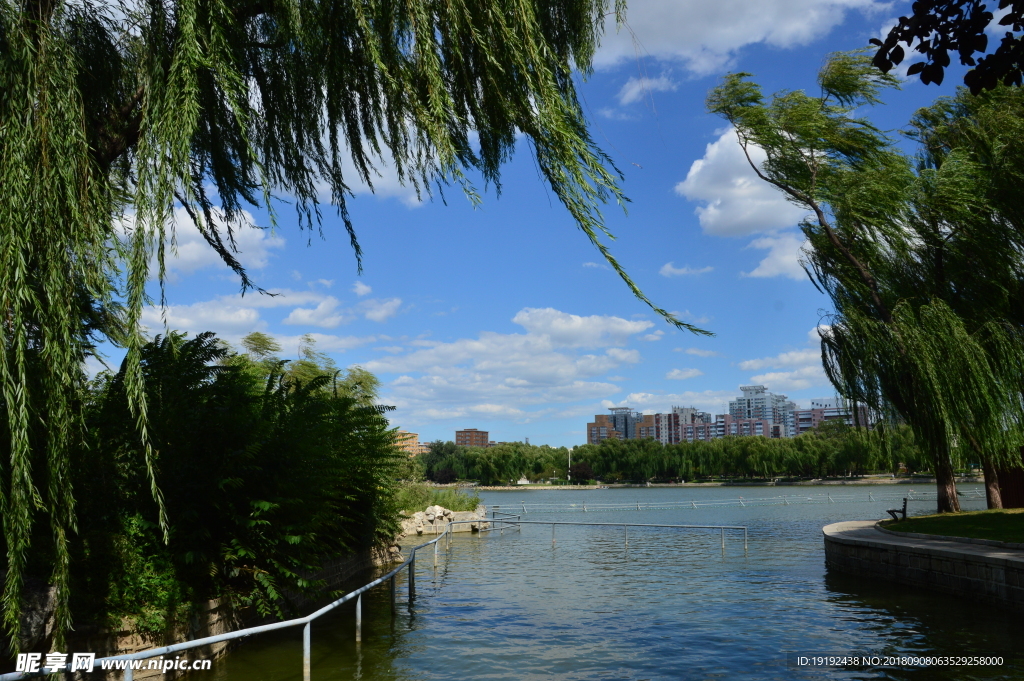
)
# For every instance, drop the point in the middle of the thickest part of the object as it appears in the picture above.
(728, 425)
(759, 404)
(471, 437)
(621, 424)
(408, 442)
(682, 424)
(829, 409)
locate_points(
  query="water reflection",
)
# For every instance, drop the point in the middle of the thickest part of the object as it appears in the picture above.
(672, 605)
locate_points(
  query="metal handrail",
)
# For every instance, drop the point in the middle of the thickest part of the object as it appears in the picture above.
(409, 563)
(552, 523)
(780, 500)
(242, 633)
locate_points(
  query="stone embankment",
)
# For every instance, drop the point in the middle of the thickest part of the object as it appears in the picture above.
(436, 518)
(991, 571)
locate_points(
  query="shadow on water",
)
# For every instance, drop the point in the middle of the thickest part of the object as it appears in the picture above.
(910, 621)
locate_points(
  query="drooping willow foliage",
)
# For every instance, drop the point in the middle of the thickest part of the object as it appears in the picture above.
(111, 114)
(923, 265)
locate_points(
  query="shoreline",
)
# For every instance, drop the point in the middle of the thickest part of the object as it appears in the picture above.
(694, 485)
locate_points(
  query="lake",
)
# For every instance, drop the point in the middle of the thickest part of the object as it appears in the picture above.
(673, 605)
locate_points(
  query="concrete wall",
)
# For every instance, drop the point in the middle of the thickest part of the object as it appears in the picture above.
(997, 577)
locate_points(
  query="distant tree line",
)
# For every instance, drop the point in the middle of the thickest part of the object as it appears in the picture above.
(834, 449)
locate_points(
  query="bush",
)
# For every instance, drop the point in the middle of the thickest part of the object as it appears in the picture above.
(264, 478)
(416, 497)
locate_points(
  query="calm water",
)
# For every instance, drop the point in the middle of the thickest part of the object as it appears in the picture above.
(671, 606)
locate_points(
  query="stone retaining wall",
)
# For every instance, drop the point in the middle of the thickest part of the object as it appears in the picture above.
(436, 518)
(997, 576)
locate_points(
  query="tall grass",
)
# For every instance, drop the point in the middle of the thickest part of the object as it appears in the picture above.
(413, 497)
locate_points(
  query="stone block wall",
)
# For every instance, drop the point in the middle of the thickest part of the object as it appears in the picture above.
(991, 578)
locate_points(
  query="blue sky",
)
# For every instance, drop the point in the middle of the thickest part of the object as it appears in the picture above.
(504, 318)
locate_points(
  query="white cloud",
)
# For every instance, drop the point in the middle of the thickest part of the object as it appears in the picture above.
(383, 178)
(655, 336)
(324, 315)
(188, 252)
(379, 310)
(689, 316)
(783, 260)
(615, 114)
(225, 318)
(793, 358)
(683, 374)
(361, 289)
(667, 270)
(736, 201)
(569, 330)
(597, 265)
(324, 342)
(232, 317)
(801, 368)
(714, 401)
(561, 358)
(636, 89)
(705, 36)
(995, 29)
(700, 353)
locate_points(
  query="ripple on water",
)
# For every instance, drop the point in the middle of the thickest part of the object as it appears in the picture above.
(670, 606)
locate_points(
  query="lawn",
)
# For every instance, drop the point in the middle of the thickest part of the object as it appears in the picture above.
(1000, 525)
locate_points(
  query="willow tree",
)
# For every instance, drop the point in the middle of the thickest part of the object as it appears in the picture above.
(887, 242)
(112, 114)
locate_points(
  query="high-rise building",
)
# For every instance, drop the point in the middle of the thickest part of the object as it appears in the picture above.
(471, 437)
(728, 425)
(829, 409)
(602, 428)
(677, 426)
(758, 403)
(408, 442)
(622, 424)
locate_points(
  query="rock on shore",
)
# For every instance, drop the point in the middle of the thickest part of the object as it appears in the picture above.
(435, 519)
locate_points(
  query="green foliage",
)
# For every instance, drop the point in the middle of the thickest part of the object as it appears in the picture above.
(414, 497)
(264, 478)
(499, 465)
(832, 450)
(923, 266)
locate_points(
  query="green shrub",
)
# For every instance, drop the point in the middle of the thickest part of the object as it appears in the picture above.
(415, 497)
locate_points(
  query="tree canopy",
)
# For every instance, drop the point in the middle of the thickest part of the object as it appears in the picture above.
(944, 26)
(922, 264)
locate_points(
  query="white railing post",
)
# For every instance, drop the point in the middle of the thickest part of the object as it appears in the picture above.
(306, 671)
(359, 618)
(412, 577)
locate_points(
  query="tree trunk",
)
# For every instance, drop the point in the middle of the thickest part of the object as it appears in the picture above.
(992, 493)
(946, 485)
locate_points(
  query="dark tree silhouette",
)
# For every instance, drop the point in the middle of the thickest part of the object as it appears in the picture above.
(943, 26)
(581, 472)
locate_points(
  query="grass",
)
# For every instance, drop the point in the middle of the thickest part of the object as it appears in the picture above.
(999, 525)
(414, 497)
